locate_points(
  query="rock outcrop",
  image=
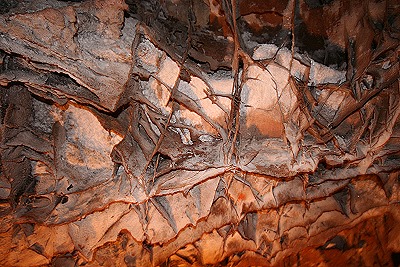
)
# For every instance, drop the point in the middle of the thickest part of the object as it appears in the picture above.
(194, 133)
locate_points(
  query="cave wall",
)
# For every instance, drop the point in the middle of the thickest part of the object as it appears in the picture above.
(193, 133)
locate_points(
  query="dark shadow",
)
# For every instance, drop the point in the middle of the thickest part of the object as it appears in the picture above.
(396, 259)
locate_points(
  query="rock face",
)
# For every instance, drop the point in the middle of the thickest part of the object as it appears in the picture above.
(199, 133)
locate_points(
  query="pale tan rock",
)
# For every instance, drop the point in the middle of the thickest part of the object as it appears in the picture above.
(87, 232)
(211, 248)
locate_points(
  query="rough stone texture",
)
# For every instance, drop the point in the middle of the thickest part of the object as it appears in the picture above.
(166, 133)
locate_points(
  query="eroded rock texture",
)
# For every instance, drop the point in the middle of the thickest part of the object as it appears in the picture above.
(196, 132)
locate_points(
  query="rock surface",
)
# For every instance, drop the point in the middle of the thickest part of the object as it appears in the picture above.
(134, 134)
